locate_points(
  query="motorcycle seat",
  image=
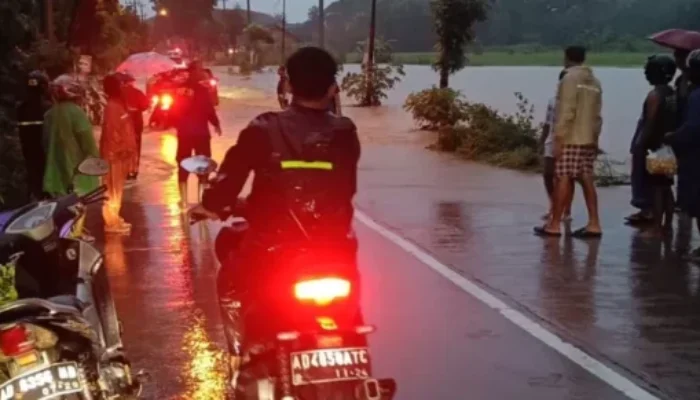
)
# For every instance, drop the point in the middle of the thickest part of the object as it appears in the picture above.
(31, 307)
(68, 300)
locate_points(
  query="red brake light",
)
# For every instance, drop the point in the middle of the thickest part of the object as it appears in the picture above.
(166, 101)
(322, 291)
(14, 340)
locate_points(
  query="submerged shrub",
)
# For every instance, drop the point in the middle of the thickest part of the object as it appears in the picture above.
(435, 108)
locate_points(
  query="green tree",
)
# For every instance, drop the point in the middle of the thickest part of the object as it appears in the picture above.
(454, 26)
(108, 32)
(256, 36)
(18, 19)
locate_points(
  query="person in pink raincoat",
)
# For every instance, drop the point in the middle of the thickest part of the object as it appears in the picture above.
(118, 145)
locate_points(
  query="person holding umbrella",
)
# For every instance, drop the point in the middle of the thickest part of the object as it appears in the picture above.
(136, 103)
(686, 146)
(682, 42)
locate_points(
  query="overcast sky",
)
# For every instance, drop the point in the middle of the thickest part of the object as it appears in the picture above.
(297, 10)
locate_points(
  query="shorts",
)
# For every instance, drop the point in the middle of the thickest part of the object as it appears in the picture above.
(576, 161)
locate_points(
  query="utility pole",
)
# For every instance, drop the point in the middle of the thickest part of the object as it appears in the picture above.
(224, 2)
(369, 72)
(248, 12)
(48, 10)
(284, 30)
(321, 25)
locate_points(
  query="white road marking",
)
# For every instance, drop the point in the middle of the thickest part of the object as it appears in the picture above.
(595, 367)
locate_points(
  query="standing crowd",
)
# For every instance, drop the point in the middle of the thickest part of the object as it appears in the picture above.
(669, 127)
(56, 135)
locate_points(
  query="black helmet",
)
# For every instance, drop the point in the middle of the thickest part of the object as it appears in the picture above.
(112, 85)
(124, 77)
(38, 81)
(693, 65)
(660, 69)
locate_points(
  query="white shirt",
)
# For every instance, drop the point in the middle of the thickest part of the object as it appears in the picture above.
(549, 120)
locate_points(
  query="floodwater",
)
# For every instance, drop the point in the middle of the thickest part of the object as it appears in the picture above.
(624, 90)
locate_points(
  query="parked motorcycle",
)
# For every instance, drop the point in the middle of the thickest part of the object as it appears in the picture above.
(305, 339)
(60, 337)
(70, 208)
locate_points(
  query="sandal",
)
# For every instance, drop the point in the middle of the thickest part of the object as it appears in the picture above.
(639, 218)
(584, 233)
(543, 232)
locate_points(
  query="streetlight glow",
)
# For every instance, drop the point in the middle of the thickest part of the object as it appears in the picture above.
(163, 12)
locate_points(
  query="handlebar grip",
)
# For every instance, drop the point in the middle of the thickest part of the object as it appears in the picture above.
(96, 199)
(102, 189)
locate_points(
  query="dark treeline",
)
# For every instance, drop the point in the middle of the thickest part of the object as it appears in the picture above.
(616, 25)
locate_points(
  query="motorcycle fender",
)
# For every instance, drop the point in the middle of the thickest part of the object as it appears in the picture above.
(94, 289)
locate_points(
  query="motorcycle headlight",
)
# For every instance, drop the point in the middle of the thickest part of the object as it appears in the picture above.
(36, 223)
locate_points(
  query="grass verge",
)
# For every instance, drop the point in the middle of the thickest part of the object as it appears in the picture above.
(510, 58)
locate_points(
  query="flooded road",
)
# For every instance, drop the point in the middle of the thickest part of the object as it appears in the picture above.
(477, 308)
(624, 90)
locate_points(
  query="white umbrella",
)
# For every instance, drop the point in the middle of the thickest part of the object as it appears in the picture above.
(145, 65)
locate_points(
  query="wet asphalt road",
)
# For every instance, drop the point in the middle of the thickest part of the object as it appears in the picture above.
(622, 300)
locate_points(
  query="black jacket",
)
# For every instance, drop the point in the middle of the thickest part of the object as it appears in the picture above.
(268, 208)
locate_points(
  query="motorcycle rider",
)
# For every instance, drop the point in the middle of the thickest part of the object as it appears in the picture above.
(305, 162)
(194, 111)
(30, 117)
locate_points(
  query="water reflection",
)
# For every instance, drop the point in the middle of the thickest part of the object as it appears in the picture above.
(663, 289)
(168, 148)
(567, 282)
(204, 374)
(450, 232)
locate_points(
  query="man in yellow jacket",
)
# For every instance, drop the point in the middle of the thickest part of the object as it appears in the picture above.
(576, 132)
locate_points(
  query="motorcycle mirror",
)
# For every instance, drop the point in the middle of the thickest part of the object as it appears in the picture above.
(200, 165)
(93, 166)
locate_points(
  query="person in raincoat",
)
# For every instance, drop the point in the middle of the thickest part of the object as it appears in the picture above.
(118, 145)
(68, 140)
(137, 103)
(686, 146)
(30, 119)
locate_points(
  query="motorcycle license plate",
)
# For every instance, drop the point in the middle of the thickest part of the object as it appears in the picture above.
(48, 382)
(329, 365)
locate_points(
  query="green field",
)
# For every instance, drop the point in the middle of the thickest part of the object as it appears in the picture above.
(511, 58)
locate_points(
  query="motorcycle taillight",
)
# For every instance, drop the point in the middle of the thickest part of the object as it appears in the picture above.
(15, 340)
(166, 101)
(322, 291)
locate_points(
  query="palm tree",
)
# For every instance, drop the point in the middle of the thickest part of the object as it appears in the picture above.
(454, 25)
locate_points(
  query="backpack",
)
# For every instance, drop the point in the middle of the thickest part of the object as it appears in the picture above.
(304, 167)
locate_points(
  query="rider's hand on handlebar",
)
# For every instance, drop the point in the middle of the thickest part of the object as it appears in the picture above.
(200, 213)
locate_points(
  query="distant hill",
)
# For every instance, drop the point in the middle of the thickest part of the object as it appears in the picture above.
(259, 18)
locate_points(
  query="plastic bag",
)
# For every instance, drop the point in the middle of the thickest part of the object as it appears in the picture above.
(662, 162)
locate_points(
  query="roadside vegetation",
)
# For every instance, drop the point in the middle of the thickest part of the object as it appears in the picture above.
(476, 131)
(507, 58)
(384, 75)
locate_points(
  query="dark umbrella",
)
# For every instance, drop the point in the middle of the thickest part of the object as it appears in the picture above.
(677, 39)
